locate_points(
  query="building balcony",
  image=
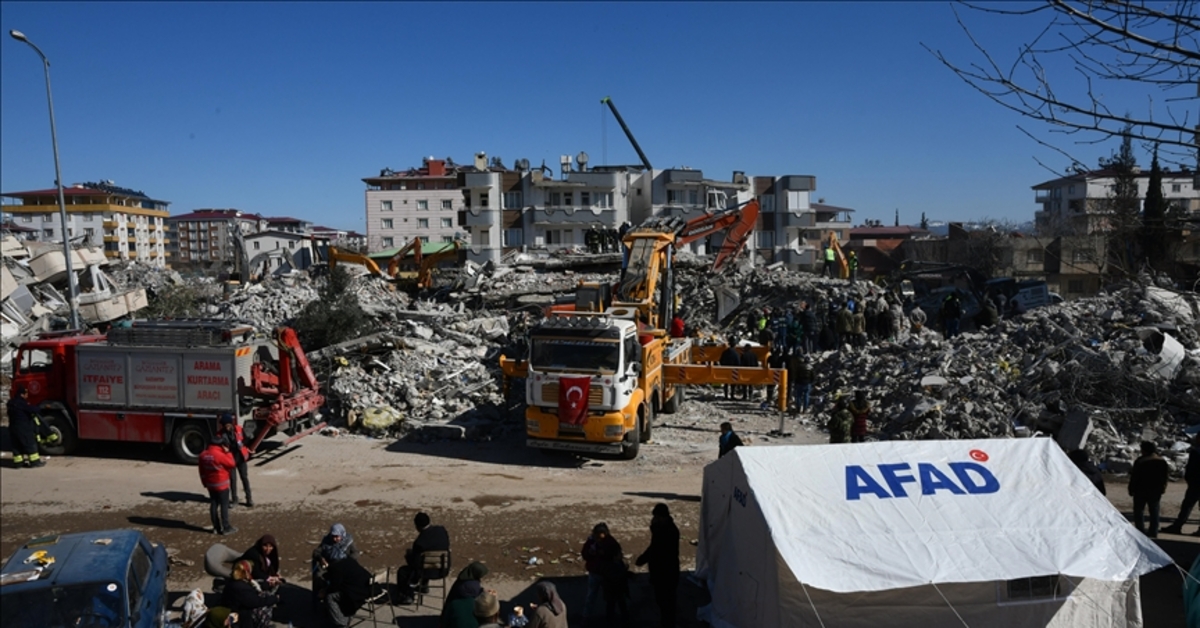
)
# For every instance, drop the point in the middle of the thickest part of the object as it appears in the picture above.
(685, 211)
(802, 220)
(478, 217)
(574, 215)
(805, 257)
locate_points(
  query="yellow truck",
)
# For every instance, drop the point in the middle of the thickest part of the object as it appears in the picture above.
(594, 381)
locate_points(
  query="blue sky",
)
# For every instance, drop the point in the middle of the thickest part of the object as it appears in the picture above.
(282, 108)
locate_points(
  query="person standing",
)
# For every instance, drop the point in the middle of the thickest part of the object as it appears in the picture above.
(430, 538)
(24, 431)
(678, 327)
(600, 554)
(951, 313)
(728, 441)
(1147, 483)
(730, 357)
(1191, 474)
(748, 359)
(860, 409)
(215, 464)
(663, 559)
(840, 424)
(235, 440)
(845, 326)
(800, 377)
(852, 262)
(829, 258)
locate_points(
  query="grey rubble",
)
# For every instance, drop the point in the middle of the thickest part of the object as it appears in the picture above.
(1076, 371)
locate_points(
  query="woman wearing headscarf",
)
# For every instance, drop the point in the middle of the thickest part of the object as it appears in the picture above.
(550, 611)
(264, 561)
(242, 595)
(336, 545)
(459, 609)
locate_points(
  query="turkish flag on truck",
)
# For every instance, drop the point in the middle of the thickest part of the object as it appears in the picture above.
(573, 399)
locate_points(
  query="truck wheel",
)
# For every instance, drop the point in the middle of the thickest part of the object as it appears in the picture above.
(676, 400)
(632, 442)
(646, 422)
(67, 441)
(189, 441)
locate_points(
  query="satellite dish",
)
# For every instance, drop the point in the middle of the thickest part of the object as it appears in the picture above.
(581, 158)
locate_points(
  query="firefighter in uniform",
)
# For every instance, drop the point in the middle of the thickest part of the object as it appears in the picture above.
(21, 421)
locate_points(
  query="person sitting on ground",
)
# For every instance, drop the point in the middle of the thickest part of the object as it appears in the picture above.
(549, 611)
(264, 562)
(242, 595)
(349, 587)
(430, 538)
(459, 609)
(336, 546)
(487, 610)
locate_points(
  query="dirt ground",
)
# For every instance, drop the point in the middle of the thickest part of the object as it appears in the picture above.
(503, 504)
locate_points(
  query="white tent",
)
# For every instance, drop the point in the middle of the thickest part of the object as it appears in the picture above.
(916, 533)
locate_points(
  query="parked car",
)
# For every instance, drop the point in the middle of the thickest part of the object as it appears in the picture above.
(109, 579)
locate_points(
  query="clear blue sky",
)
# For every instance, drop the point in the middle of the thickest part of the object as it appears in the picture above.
(282, 108)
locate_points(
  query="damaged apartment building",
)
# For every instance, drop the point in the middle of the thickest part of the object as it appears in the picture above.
(501, 211)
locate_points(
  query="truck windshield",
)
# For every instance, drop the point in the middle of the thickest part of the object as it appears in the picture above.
(34, 360)
(95, 605)
(580, 355)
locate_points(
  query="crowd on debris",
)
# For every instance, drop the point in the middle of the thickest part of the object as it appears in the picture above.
(1100, 373)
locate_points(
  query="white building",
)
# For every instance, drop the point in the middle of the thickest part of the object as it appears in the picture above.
(421, 202)
(1078, 204)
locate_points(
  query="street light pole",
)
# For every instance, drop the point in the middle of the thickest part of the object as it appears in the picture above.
(72, 287)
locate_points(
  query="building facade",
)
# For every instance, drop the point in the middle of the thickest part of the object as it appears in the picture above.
(419, 203)
(129, 224)
(205, 236)
(1079, 204)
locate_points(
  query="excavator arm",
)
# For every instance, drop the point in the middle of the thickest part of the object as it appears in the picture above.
(413, 247)
(337, 256)
(425, 274)
(738, 222)
(843, 264)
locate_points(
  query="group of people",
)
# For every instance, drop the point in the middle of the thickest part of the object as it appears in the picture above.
(601, 240)
(248, 597)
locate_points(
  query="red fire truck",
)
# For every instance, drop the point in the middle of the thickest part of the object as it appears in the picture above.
(168, 382)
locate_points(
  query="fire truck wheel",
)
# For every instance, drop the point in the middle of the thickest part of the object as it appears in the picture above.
(67, 441)
(646, 423)
(632, 442)
(189, 441)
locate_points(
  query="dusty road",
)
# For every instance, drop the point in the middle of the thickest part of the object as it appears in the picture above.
(503, 504)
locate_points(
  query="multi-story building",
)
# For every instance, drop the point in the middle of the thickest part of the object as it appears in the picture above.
(205, 236)
(419, 203)
(349, 240)
(1080, 204)
(131, 225)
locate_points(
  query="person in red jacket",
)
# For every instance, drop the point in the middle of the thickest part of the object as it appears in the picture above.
(215, 464)
(678, 327)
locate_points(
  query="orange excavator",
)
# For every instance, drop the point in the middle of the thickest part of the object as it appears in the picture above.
(422, 278)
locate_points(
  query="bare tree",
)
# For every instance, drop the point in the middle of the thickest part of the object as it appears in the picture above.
(1109, 44)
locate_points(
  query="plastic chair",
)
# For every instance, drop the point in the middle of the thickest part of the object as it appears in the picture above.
(380, 596)
(435, 566)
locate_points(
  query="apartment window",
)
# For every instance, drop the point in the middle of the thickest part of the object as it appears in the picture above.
(26, 218)
(1075, 286)
(49, 233)
(483, 200)
(766, 239)
(512, 200)
(447, 223)
(292, 244)
(585, 199)
(1175, 187)
(89, 217)
(278, 245)
(449, 186)
(388, 242)
(420, 186)
(447, 238)
(47, 217)
(553, 236)
(485, 238)
(387, 223)
(385, 206)
(423, 223)
(422, 204)
(514, 237)
(672, 197)
(1081, 255)
(257, 245)
(604, 199)
(447, 204)
(767, 202)
(1070, 189)
(1033, 256)
(89, 231)
(555, 199)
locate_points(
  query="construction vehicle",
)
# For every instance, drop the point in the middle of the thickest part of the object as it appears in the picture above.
(168, 382)
(589, 296)
(839, 255)
(594, 381)
(629, 134)
(338, 256)
(422, 277)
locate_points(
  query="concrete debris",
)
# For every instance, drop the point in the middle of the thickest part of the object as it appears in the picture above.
(1102, 373)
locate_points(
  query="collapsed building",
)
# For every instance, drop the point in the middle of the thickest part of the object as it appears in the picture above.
(1103, 373)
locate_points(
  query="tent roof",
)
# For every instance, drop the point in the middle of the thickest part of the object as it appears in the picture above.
(877, 516)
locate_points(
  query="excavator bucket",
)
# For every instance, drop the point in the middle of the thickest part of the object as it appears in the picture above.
(737, 235)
